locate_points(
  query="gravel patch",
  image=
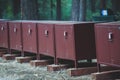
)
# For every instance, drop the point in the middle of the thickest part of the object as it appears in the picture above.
(11, 70)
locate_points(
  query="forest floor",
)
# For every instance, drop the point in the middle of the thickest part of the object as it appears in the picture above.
(11, 70)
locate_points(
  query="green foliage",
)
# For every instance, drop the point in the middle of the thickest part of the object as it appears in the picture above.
(8, 14)
(91, 14)
(109, 4)
(47, 10)
(43, 9)
(66, 9)
(117, 15)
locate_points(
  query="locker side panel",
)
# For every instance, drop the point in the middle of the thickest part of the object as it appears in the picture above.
(114, 46)
(1, 34)
(64, 42)
(85, 41)
(15, 36)
(69, 42)
(46, 39)
(50, 40)
(42, 40)
(29, 37)
(102, 44)
(60, 42)
(4, 35)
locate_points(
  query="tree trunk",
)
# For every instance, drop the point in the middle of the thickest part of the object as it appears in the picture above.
(58, 9)
(51, 2)
(116, 5)
(16, 8)
(103, 4)
(29, 9)
(75, 10)
(93, 5)
(82, 14)
(1, 10)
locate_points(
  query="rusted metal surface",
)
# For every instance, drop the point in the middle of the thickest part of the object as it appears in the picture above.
(29, 36)
(15, 35)
(107, 43)
(75, 41)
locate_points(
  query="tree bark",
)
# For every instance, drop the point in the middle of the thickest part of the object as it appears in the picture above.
(51, 2)
(29, 10)
(102, 4)
(93, 5)
(16, 8)
(75, 10)
(58, 9)
(82, 14)
(116, 5)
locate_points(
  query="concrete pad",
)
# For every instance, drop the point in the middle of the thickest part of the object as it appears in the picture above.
(23, 59)
(54, 67)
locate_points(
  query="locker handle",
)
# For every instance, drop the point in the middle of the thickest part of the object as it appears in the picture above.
(15, 30)
(46, 32)
(29, 31)
(65, 34)
(2, 28)
(110, 36)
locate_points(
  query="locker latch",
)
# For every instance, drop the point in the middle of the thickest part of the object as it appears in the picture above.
(110, 36)
(65, 34)
(15, 29)
(2, 28)
(29, 31)
(46, 32)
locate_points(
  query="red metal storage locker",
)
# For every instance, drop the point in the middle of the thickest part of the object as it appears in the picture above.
(15, 35)
(4, 37)
(46, 39)
(107, 43)
(75, 41)
(29, 36)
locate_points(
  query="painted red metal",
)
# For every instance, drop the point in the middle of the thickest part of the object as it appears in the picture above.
(107, 43)
(29, 36)
(75, 41)
(4, 37)
(102, 47)
(65, 42)
(46, 39)
(15, 35)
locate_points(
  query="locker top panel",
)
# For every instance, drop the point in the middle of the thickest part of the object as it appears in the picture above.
(63, 22)
(108, 23)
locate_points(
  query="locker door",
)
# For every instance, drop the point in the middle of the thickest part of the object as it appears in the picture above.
(60, 41)
(1, 34)
(5, 35)
(29, 37)
(15, 36)
(46, 39)
(102, 36)
(50, 40)
(69, 42)
(42, 34)
(12, 36)
(115, 45)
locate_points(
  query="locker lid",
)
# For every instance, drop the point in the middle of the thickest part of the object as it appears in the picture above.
(109, 23)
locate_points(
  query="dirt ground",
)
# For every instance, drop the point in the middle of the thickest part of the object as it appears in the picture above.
(11, 70)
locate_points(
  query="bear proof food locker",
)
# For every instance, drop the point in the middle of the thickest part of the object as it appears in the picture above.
(29, 31)
(107, 43)
(75, 41)
(4, 36)
(15, 32)
(46, 39)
